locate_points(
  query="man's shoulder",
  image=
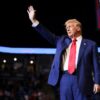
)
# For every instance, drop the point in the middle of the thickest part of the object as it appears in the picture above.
(89, 41)
(64, 37)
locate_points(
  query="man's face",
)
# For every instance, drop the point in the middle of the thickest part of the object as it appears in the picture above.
(72, 29)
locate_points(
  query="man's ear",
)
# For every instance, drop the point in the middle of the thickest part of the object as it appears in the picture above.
(78, 29)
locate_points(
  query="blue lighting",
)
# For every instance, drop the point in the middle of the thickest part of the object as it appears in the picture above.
(29, 50)
(98, 49)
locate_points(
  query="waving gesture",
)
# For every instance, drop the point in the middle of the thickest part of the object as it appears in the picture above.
(31, 13)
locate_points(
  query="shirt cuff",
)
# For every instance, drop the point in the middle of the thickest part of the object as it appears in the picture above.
(35, 24)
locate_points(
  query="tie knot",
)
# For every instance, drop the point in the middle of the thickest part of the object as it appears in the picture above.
(74, 40)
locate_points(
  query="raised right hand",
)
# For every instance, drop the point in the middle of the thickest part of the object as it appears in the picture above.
(31, 13)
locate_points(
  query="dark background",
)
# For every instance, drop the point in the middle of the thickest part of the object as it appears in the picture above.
(16, 30)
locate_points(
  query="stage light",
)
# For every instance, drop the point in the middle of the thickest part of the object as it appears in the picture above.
(15, 59)
(4, 61)
(31, 61)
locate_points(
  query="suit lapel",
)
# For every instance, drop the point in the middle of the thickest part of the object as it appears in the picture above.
(82, 49)
(66, 43)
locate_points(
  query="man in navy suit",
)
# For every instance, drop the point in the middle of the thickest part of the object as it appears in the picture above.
(84, 81)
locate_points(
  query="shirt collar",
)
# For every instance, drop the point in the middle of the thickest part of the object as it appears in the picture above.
(79, 38)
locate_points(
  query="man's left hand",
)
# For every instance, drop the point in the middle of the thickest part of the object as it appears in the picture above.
(96, 88)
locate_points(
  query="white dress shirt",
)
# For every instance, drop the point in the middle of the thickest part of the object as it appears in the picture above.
(66, 54)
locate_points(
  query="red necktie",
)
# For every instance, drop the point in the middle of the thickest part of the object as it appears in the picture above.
(72, 57)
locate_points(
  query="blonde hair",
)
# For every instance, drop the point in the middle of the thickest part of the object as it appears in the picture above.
(73, 21)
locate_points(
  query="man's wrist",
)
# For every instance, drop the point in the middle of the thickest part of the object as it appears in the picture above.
(35, 23)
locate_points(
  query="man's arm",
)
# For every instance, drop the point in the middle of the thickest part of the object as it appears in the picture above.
(40, 28)
(96, 87)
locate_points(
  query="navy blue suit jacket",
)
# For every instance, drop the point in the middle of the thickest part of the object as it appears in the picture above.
(88, 69)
